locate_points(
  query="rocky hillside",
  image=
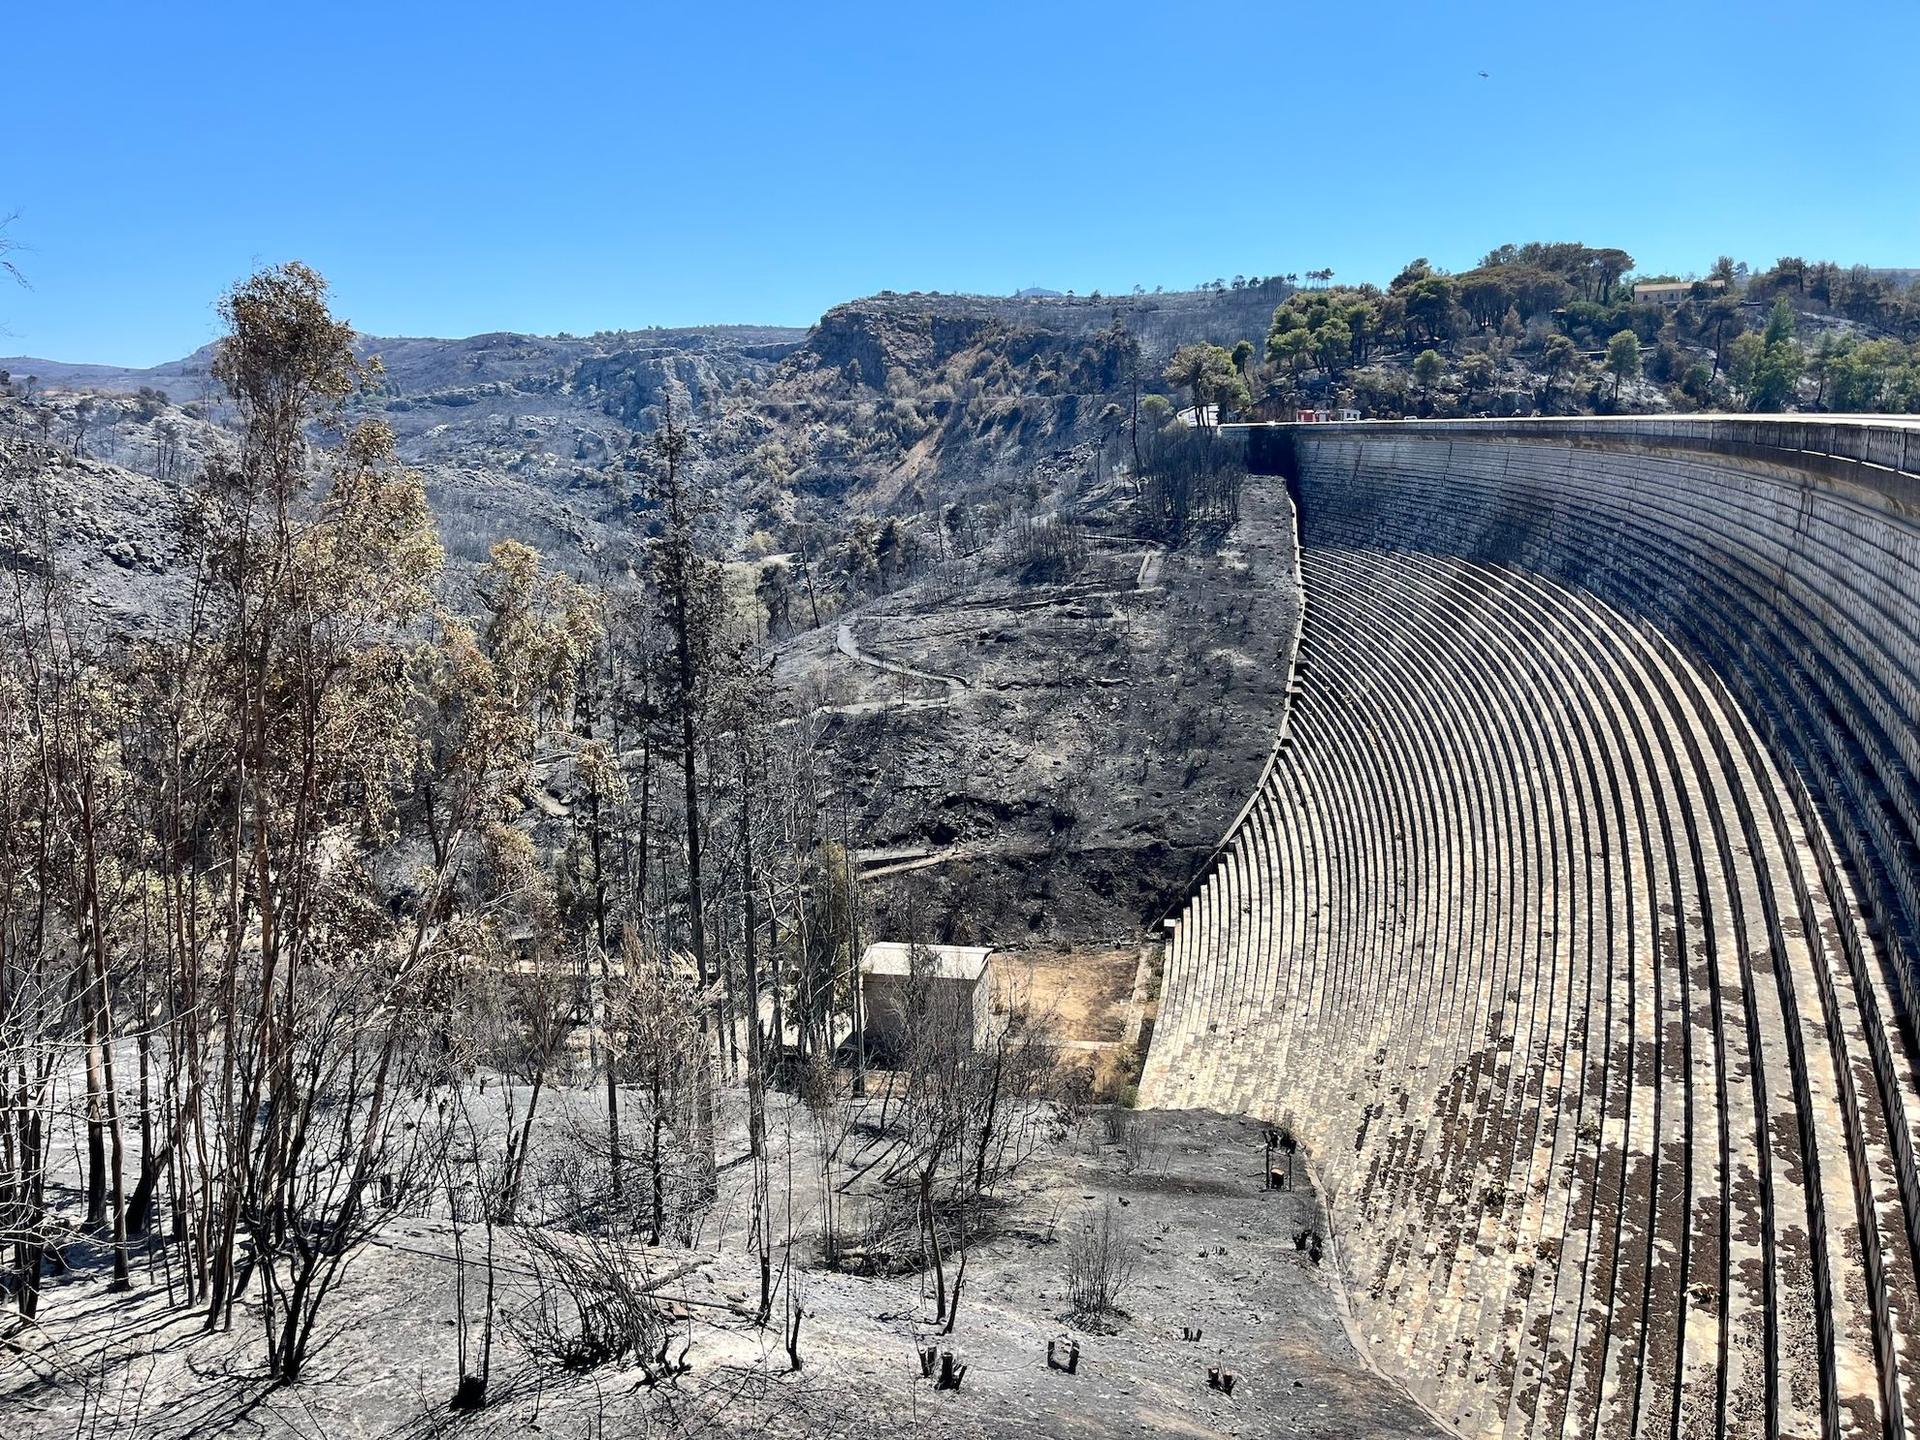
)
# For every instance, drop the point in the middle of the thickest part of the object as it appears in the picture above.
(1162, 321)
(109, 527)
(416, 367)
(1043, 746)
(1053, 759)
(906, 406)
(516, 435)
(881, 394)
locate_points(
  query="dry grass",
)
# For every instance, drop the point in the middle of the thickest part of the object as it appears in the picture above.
(1085, 990)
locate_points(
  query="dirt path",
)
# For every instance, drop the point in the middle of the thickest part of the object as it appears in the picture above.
(850, 647)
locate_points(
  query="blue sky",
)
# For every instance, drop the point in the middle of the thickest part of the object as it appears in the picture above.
(588, 165)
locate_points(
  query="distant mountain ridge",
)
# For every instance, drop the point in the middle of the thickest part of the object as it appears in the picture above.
(887, 400)
(416, 363)
(178, 379)
(1163, 321)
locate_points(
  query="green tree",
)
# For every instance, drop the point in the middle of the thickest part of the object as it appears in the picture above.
(1623, 359)
(1430, 308)
(1485, 296)
(1871, 375)
(1780, 322)
(1476, 372)
(1561, 360)
(1725, 320)
(1743, 361)
(1333, 346)
(1205, 372)
(1697, 383)
(1291, 349)
(1608, 266)
(1428, 367)
(1231, 393)
(1766, 368)
(1776, 377)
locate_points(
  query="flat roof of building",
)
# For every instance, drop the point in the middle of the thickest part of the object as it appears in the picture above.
(943, 962)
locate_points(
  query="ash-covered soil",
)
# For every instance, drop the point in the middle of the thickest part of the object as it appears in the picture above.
(1056, 760)
(1214, 1253)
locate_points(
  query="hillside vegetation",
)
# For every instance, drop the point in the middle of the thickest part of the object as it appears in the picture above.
(1555, 329)
(447, 789)
(921, 471)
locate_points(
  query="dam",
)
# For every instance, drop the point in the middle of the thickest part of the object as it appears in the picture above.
(1574, 924)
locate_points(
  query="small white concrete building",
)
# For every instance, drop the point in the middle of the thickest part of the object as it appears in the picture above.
(957, 979)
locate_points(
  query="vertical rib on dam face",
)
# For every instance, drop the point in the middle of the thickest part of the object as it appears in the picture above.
(1575, 925)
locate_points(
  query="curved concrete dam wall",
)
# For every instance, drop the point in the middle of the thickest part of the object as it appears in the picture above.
(1575, 924)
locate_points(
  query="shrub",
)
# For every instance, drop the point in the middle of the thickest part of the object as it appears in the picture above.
(592, 1304)
(1100, 1265)
(1141, 1150)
